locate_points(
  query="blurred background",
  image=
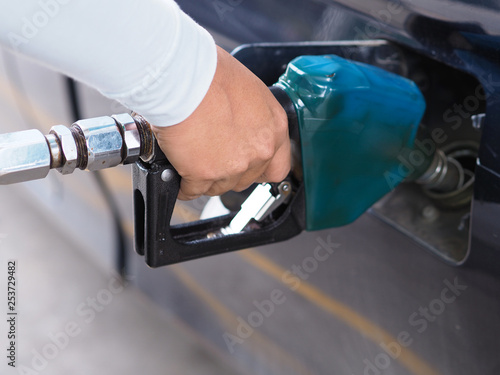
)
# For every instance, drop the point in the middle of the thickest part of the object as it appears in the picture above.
(367, 308)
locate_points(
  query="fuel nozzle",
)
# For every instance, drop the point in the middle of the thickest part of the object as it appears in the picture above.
(91, 144)
(447, 177)
(443, 175)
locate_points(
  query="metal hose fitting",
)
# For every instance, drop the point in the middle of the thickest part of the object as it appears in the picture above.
(91, 144)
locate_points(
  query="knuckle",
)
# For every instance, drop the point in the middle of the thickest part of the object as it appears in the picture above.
(238, 167)
(279, 173)
(266, 151)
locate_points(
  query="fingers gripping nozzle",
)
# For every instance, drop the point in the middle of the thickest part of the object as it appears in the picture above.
(90, 144)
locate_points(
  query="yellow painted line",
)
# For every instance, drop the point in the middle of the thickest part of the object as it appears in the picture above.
(129, 228)
(342, 312)
(227, 317)
(260, 343)
(185, 213)
(221, 310)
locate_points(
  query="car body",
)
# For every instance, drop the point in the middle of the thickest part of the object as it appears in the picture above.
(372, 297)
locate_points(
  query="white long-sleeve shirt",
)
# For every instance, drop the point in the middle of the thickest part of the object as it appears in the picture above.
(147, 54)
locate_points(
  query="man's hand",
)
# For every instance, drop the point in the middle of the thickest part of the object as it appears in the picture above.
(238, 135)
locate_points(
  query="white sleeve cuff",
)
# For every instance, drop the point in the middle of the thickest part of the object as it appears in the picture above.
(173, 85)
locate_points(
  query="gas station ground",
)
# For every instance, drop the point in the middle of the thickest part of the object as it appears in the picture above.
(74, 318)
